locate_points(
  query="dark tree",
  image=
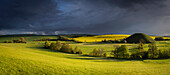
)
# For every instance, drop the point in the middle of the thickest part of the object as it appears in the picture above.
(47, 44)
(121, 52)
(141, 45)
(6, 41)
(53, 46)
(95, 52)
(58, 46)
(105, 54)
(22, 39)
(79, 52)
(99, 52)
(63, 38)
(152, 51)
(76, 50)
(159, 38)
(66, 48)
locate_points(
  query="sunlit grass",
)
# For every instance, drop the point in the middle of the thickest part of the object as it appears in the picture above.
(31, 58)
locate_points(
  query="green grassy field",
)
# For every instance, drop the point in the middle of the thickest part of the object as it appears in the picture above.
(32, 58)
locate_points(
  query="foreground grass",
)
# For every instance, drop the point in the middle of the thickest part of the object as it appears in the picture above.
(31, 58)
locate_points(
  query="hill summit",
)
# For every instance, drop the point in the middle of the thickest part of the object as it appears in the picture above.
(139, 37)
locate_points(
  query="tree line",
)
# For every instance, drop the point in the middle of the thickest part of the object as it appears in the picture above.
(60, 38)
(21, 40)
(120, 52)
(161, 39)
(62, 47)
(140, 53)
(98, 52)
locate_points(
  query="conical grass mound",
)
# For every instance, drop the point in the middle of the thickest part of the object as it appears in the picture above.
(139, 37)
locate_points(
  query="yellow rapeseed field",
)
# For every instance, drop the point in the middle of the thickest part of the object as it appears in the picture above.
(99, 38)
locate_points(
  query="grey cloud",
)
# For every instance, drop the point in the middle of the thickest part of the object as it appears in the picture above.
(84, 16)
(17, 14)
(114, 15)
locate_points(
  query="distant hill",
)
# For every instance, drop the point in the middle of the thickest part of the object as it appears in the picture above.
(166, 36)
(137, 37)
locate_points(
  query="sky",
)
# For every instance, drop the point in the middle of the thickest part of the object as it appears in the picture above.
(52, 17)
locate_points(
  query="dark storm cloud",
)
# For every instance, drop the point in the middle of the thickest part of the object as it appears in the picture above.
(132, 3)
(17, 14)
(84, 16)
(102, 16)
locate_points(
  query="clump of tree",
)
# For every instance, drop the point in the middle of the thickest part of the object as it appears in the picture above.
(6, 41)
(76, 50)
(164, 54)
(113, 41)
(47, 44)
(66, 48)
(63, 38)
(15, 41)
(152, 51)
(159, 38)
(98, 53)
(21, 40)
(140, 53)
(141, 46)
(105, 54)
(52, 46)
(62, 47)
(58, 46)
(121, 52)
(11, 41)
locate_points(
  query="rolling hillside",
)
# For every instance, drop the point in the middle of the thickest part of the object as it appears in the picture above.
(31, 58)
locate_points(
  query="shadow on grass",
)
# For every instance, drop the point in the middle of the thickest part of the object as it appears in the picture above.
(82, 58)
(94, 43)
(103, 59)
(101, 43)
(43, 49)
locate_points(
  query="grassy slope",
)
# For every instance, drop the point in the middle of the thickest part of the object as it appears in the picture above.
(31, 58)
